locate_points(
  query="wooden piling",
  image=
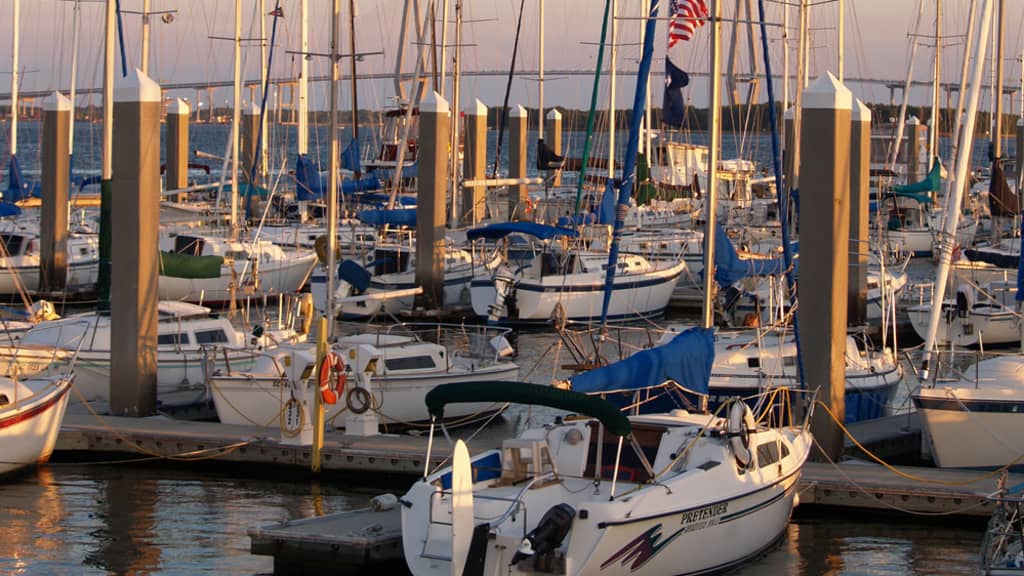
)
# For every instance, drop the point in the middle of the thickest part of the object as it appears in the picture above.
(250, 133)
(134, 250)
(431, 201)
(474, 163)
(53, 225)
(860, 174)
(917, 135)
(177, 147)
(825, 208)
(517, 195)
(553, 138)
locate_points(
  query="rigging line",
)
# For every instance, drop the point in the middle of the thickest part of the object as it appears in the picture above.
(503, 118)
(588, 137)
(120, 39)
(781, 192)
(263, 104)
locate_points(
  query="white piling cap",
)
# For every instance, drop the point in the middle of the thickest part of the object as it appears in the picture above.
(1020, 121)
(179, 106)
(860, 112)
(136, 87)
(518, 112)
(790, 113)
(253, 109)
(434, 103)
(477, 109)
(913, 121)
(554, 114)
(828, 93)
(57, 102)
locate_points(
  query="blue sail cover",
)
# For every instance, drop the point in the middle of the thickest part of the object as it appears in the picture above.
(606, 211)
(397, 217)
(350, 156)
(17, 187)
(502, 229)
(309, 184)
(686, 359)
(730, 268)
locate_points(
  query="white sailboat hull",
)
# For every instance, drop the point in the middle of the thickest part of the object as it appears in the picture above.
(29, 426)
(258, 401)
(581, 296)
(280, 277)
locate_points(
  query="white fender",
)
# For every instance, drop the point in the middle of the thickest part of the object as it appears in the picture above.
(741, 423)
(462, 507)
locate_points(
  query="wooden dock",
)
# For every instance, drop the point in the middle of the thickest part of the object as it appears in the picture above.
(929, 491)
(355, 540)
(185, 440)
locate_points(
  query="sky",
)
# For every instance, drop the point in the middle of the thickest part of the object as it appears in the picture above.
(877, 45)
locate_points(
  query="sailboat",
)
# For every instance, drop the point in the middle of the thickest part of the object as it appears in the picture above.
(973, 419)
(601, 492)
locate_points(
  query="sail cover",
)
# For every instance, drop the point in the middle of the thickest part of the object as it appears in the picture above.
(686, 359)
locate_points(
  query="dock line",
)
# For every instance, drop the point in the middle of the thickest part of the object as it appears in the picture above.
(891, 468)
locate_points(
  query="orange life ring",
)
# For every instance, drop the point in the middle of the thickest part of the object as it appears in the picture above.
(332, 367)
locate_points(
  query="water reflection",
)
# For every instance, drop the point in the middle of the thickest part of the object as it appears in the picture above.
(124, 542)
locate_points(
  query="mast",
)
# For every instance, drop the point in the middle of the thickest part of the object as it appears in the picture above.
(444, 51)
(263, 86)
(948, 237)
(714, 145)
(840, 57)
(629, 160)
(933, 135)
(145, 37)
(894, 150)
(453, 157)
(540, 74)
(75, 27)
(964, 68)
(303, 120)
(997, 134)
(15, 19)
(107, 171)
(236, 118)
(355, 93)
(801, 74)
(332, 165)
(613, 57)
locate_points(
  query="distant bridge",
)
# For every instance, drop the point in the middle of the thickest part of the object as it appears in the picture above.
(892, 85)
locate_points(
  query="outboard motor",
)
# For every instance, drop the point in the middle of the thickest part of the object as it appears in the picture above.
(504, 282)
(541, 541)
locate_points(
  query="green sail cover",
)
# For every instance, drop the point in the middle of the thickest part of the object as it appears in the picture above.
(534, 394)
(187, 266)
(931, 183)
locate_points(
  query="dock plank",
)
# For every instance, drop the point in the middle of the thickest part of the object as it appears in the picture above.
(857, 484)
(354, 539)
(384, 453)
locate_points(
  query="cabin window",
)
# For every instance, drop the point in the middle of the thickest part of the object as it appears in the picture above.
(189, 245)
(211, 337)
(789, 360)
(410, 363)
(767, 454)
(173, 338)
(631, 468)
(753, 362)
(12, 243)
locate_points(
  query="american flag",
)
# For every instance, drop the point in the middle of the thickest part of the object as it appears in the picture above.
(687, 16)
